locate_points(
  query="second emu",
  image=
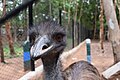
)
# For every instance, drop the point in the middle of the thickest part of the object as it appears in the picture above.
(48, 41)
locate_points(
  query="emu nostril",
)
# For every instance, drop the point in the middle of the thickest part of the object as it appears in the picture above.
(44, 47)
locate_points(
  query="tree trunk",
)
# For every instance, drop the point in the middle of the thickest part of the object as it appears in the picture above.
(15, 26)
(8, 33)
(114, 1)
(80, 21)
(64, 2)
(94, 34)
(114, 30)
(75, 22)
(69, 14)
(118, 5)
(101, 26)
(15, 33)
(1, 47)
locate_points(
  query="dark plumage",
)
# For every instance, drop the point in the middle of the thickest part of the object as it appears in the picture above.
(48, 42)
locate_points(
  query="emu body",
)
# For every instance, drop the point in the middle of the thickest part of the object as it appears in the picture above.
(48, 41)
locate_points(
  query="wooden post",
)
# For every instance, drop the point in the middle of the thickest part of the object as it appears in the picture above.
(30, 15)
(60, 17)
(30, 25)
(78, 35)
(26, 55)
(81, 31)
(72, 33)
(88, 42)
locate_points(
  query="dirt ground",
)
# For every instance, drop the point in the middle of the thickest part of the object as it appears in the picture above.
(13, 69)
(100, 60)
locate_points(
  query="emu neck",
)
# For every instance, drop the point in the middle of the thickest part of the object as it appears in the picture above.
(52, 68)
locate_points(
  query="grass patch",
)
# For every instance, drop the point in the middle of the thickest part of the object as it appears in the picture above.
(18, 50)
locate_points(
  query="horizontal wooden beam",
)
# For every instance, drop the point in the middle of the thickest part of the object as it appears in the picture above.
(32, 74)
(113, 70)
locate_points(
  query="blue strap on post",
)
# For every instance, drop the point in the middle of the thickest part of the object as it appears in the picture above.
(26, 49)
(26, 55)
(88, 41)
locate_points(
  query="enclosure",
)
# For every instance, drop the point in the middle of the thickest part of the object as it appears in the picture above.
(81, 19)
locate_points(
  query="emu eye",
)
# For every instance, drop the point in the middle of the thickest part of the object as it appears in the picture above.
(58, 37)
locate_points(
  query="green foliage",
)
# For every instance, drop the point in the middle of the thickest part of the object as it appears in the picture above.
(86, 12)
(87, 9)
(18, 51)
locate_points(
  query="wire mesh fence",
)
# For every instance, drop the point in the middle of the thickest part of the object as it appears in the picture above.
(13, 66)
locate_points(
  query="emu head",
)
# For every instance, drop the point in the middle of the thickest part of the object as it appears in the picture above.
(47, 39)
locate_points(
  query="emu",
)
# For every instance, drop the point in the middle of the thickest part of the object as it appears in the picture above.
(48, 41)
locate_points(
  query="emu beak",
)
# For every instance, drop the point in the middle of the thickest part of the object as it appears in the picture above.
(40, 47)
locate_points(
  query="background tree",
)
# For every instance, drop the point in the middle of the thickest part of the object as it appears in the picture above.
(1, 47)
(101, 25)
(114, 29)
(1, 44)
(8, 32)
(9, 37)
(118, 6)
(85, 13)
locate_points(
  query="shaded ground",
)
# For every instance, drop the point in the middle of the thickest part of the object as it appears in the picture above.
(14, 69)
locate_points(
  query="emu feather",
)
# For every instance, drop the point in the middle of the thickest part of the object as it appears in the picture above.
(52, 66)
